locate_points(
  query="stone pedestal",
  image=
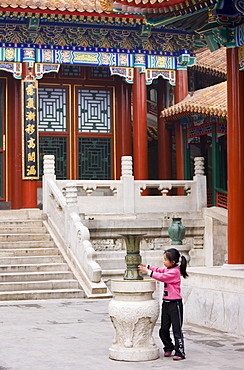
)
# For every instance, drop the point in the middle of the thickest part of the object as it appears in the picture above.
(183, 248)
(133, 313)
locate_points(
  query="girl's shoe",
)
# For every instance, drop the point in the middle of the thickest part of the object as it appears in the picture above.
(177, 358)
(167, 354)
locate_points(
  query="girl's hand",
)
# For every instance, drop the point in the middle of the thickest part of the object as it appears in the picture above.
(143, 268)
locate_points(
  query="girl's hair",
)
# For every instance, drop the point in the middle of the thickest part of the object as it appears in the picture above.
(173, 254)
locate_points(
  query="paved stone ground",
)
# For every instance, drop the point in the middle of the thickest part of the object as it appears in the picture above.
(76, 335)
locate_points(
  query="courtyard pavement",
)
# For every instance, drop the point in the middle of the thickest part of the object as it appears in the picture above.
(76, 335)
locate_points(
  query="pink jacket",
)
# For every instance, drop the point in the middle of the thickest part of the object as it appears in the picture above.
(171, 279)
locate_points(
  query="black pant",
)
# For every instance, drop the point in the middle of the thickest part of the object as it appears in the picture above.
(172, 314)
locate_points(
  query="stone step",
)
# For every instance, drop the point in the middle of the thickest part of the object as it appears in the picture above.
(21, 223)
(42, 294)
(40, 267)
(28, 251)
(31, 265)
(23, 237)
(22, 230)
(26, 260)
(21, 214)
(115, 273)
(27, 244)
(38, 285)
(35, 276)
(110, 263)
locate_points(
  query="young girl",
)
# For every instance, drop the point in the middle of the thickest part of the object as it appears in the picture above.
(172, 308)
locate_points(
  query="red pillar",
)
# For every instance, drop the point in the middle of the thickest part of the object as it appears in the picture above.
(179, 151)
(235, 145)
(126, 138)
(164, 137)
(15, 144)
(29, 186)
(181, 88)
(140, 144)
(123, 122)
(118, 124)
(181, 91)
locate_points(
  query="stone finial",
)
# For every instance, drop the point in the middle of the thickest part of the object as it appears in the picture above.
(199, 165)
(49, 165)
(126, 162)
(71, 194)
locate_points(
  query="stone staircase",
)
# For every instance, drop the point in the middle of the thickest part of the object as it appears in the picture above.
(31, 265)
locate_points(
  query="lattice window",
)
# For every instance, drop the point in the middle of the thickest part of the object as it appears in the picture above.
(94, 111)
(100, 72)
(58, 147)
(71, 71)
(94, 158)
(52, 109)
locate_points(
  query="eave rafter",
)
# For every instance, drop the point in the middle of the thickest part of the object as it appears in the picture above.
(169, 7)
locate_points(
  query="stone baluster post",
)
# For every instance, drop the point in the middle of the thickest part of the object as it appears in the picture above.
(71, 207)
(201, 191)
(199, 166)
(128, 184)
(49, 174)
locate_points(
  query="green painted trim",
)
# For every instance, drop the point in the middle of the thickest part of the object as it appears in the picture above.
(221, 190)
(164, 21)
(187, 159)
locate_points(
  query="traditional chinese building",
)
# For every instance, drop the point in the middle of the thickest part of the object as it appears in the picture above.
(204, 118)
(80, 64)
(68, 74)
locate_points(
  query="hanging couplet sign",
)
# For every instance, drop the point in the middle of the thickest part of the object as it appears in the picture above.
(30, 144)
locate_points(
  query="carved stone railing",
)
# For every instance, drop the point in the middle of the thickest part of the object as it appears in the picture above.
(125, 195)
(63, 218)
(66, 201)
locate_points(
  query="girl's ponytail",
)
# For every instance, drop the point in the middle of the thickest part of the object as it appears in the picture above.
(183, 264)
(175, 256)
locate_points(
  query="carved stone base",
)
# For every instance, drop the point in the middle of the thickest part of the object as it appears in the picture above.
(184, 249)
(133, 313)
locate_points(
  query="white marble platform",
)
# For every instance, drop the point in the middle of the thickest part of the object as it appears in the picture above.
(214, 298)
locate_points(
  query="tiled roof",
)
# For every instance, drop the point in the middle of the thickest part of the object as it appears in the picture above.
(162, 6)
(98, 6)
(212, 62)
(209, 101)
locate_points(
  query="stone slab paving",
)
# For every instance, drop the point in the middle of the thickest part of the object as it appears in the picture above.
(76, 335)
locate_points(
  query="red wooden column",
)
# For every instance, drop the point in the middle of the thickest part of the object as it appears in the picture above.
(181, 91)
(235, 145)
(14, 142)
(29, 186)
(126, 138)
(164, 137)
(123, 122)
(140, 144)
(118, 124)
